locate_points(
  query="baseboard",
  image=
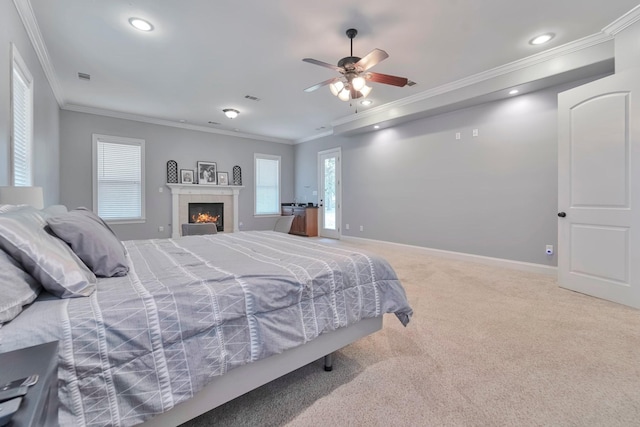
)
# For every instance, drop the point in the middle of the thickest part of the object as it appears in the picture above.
(461, 256)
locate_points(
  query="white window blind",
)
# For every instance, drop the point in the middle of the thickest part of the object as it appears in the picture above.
(118, 178)
(267, 185)
(22, 122)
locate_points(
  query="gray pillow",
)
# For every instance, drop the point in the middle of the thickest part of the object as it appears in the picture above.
(283, 225)
(48, 259)
(17, 287)
(92, 240)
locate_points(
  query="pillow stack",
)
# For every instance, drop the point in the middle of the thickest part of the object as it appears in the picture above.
(48, 259)
(62, 254)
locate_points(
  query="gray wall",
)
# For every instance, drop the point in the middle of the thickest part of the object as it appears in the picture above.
(163, 143)
(493, 195)
(46, 111)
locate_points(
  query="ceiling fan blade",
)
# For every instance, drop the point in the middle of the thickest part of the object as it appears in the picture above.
(319, 85)
(387, 79)
(322, 64)
(371, 59)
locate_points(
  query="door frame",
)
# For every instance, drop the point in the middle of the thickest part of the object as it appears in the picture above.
(322, 232)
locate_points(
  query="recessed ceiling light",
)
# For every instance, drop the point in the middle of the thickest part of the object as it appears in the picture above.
(542, 38)
(376, 127)
(140, 24)
(366, 102)
(513, 92)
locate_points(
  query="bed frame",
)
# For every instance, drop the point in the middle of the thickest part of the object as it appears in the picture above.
(248, 377)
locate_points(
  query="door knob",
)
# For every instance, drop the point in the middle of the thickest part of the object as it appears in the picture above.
(562, 214)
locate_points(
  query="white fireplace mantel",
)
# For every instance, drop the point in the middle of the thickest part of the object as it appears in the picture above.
(197, 191)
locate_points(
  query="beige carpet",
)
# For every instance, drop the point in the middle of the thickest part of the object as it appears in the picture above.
(486, 347)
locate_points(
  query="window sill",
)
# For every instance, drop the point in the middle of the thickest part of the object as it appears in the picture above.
(126, 221)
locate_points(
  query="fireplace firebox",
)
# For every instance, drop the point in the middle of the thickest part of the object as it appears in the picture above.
(207, 213)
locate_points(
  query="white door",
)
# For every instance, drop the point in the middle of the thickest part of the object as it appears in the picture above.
(329, 181)
(599, 189)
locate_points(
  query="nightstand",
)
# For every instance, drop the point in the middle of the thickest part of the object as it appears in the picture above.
(39, 406)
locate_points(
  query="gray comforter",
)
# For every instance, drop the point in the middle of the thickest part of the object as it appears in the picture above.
(194, 308)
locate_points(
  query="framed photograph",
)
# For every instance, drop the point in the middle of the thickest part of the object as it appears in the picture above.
(186, 176)
(223, 178)
(207, 173)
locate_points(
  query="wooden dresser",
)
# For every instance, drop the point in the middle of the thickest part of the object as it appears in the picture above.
(305, 222)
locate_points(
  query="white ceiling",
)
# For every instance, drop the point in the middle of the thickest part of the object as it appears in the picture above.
(206, 55)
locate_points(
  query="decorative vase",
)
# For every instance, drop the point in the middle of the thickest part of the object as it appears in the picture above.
(237, 175)
(172, 172)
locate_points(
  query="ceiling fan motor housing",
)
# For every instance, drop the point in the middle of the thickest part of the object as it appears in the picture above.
(348, 62)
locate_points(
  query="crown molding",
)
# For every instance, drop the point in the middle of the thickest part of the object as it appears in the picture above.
(312, 137)
(25, 11)
(163, 122)
(547, 55)
(623, 22)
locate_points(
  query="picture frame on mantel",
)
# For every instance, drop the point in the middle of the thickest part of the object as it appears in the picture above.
(207, 173)
(223, 178)
(186, 176)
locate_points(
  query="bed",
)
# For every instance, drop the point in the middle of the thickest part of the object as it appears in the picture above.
(183, 325)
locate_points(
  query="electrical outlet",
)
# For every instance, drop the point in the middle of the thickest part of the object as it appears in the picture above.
(475, 132)
(458, 136)
(160, 229)
(346, 226)
(362, 228)
(160, 189)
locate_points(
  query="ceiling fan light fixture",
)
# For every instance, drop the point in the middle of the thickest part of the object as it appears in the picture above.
(336, 87)
(366, 102)
(365, 90)
(358, 83)
(344, 94)
(231, 113)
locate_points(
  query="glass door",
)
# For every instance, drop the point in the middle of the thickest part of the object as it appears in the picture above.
(330, 193)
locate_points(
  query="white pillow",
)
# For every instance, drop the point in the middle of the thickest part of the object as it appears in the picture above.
(47, 258)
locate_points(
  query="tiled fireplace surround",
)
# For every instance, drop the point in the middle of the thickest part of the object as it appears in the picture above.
(183, 194)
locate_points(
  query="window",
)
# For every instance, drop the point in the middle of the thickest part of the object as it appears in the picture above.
(267, 173)
(118, 178)
(21, 121)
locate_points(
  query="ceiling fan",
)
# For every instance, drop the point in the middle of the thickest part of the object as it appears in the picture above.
(352, 83)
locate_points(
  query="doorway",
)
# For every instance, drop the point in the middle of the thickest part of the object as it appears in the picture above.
(330, 193)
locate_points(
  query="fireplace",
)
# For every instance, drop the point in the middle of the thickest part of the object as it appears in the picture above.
(183, 194)
(207, 213)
